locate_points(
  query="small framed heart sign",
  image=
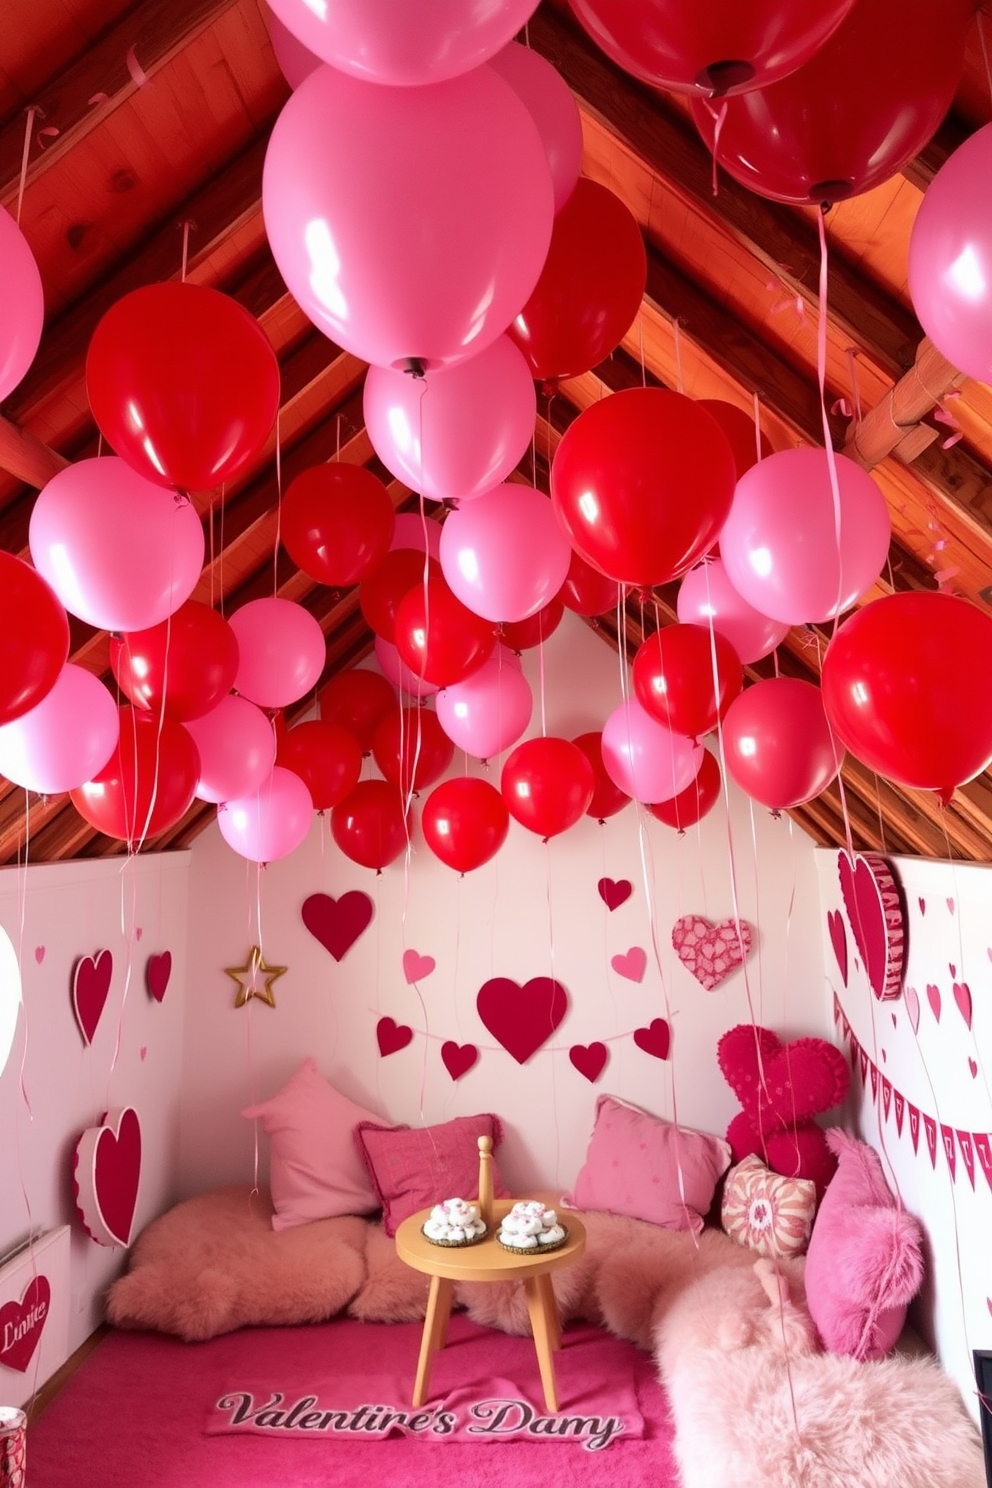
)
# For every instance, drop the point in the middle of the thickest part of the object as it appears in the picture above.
(21, 1324)
(106, 1177)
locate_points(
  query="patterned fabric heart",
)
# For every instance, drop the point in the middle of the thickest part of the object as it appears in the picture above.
(873, 901)
(710, 952)
(780, 1085)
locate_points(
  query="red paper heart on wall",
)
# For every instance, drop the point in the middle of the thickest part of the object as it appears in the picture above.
(106, 1177)
(90, 985)
(458, 1059)
(780, 1085)
(614, 892)
(873, 903)
(21, 1324)
(522, 1018)
(392, 1036)
(157, 973)
(337, 923)
(838, 939)
(589, 1059)
(655, 1040)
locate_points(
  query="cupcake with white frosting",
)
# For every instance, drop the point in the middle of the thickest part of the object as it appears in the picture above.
(454, 1222)
(530, 1226)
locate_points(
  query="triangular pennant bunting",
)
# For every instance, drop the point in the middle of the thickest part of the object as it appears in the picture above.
(931, 1130)
(968, 1154)
(950, 1149)
(914, 1125)
(900, 1102)
(983, 1147)
(863, 1062)
(886, 1096)
(874, 1082)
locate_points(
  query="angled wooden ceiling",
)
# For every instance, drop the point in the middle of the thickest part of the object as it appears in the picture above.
(150, 129)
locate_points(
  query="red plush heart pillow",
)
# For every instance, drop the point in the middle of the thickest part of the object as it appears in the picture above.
(781, 1085)
(801, 1152)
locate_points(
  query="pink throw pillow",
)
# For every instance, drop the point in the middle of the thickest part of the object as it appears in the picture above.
(314, 1170)
(769, 1214)
(864, 1264)
(634, 1164)
(413, 1168)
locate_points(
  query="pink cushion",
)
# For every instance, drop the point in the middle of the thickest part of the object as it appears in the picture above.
(314, 1170)
(413, 1168)
(766, 1212)
(864, 1263)
(634, 1164)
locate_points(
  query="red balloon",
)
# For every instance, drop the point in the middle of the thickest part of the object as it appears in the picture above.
(739, 429)
(337, 523)
(590, 288)
(586, 591)
(148, 782)
(184, 384)
(693, 803)
(411, 748)
(326, 757)
(380, 592)
(182, 667)
(642, 482)
(547, 785)
(674, 678)
(465, 822)
(34, 638)
(607, 798)
(438, 637)
(369, 825)
(777, 743)
(853, 114)
(357, 700)
(521, 635)
(901, 689)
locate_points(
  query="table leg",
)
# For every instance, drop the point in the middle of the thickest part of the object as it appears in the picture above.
(539, 1320)
(550, 1310)
(435, 1332)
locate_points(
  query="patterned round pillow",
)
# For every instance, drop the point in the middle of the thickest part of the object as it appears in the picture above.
(766, 1212)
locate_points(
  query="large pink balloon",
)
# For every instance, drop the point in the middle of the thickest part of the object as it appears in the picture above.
(553, 108)
(504, 554)
(403, 43)
(237, 745)
(644, 759)
(392, 666)
(777, 743)
(950, 258)
(120, 552)
(296, 61)
(66, 739)
(413, 531)
(706, 594)
(282, 651)
(271, 822)
(780, 546)
(458, 432)
(489, 711)
(22, 305)
(417, 245)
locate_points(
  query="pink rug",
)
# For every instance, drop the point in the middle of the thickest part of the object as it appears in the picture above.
(327, 1404)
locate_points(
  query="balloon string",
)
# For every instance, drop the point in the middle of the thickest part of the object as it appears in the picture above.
(553, 1041)
(719, 117)
(985, 51)
(755, 862)
(757, 429)
(275, 548)
(852, 364)
(640, 340)
(678, 355)
(186, 227)
(211, 530)
(540, 662)
(821, 375)
(22, 916)
(223, 507)
(24, 160)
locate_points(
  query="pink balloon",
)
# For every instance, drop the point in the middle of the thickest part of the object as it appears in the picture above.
(282, 651)
(237, 745)
(392, 665)
(779, 544)
(65, 739)
(271, 822)
(553, 108)
(777, 743)
(950, 258)
(410, 528)
(396, 42)
(706, 594)
(644, 759)
(458, 432)
(504, 554)
(296, 61)
(489, 711)
(462, 160)
(120, 552)
(22, 305)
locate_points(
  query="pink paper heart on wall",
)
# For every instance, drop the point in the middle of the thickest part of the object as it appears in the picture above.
(631, 965)
(416, 967)
(933, 998)
(589, 1059)
(962, 999)
(143, 1053)
(458, 1059)
(614, 892)
(655, 1040)
(521, 1018)
(21, 1324)
(838, 939)
(107, 1174)
(138, 932)
(392, 1036)
(337, 923)
(158, 970)
(39, 954)
(973, 1067)
(710, 952)
(873, 903)
(912, 1002)
(90, 985)
(950, 906)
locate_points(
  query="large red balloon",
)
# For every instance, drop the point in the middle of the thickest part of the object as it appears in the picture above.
(586, 591)
(547, 785)
(777, 743)
(411, 748)
(182, 666)
(381, 590)
(148, 782)
(607, 798)
(184, 384)
(590, 288)
(337, 522)
(465, 822)
(905, 688)
(369, 826)
(438, 637)
(856, 112)
(522, 635)
(358, 699)
(674, 678)
(34, 638)
(326, 757)
(693, 803)
(739, 429)
(642, 482)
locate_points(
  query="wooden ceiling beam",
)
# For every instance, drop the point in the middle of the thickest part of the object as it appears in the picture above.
(27, 458)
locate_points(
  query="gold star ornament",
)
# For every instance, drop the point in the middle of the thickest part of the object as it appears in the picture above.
(255, 978)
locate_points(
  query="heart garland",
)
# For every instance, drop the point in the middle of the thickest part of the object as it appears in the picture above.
(21, 1324)
(521, 1018)
(392, 1036)
(711, 952)
(106, 1174)
(158, 969)
(337, 923)
(90, 986)
(589, 1059)
(873, 903)
(458, 1059)
(656, 1039)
